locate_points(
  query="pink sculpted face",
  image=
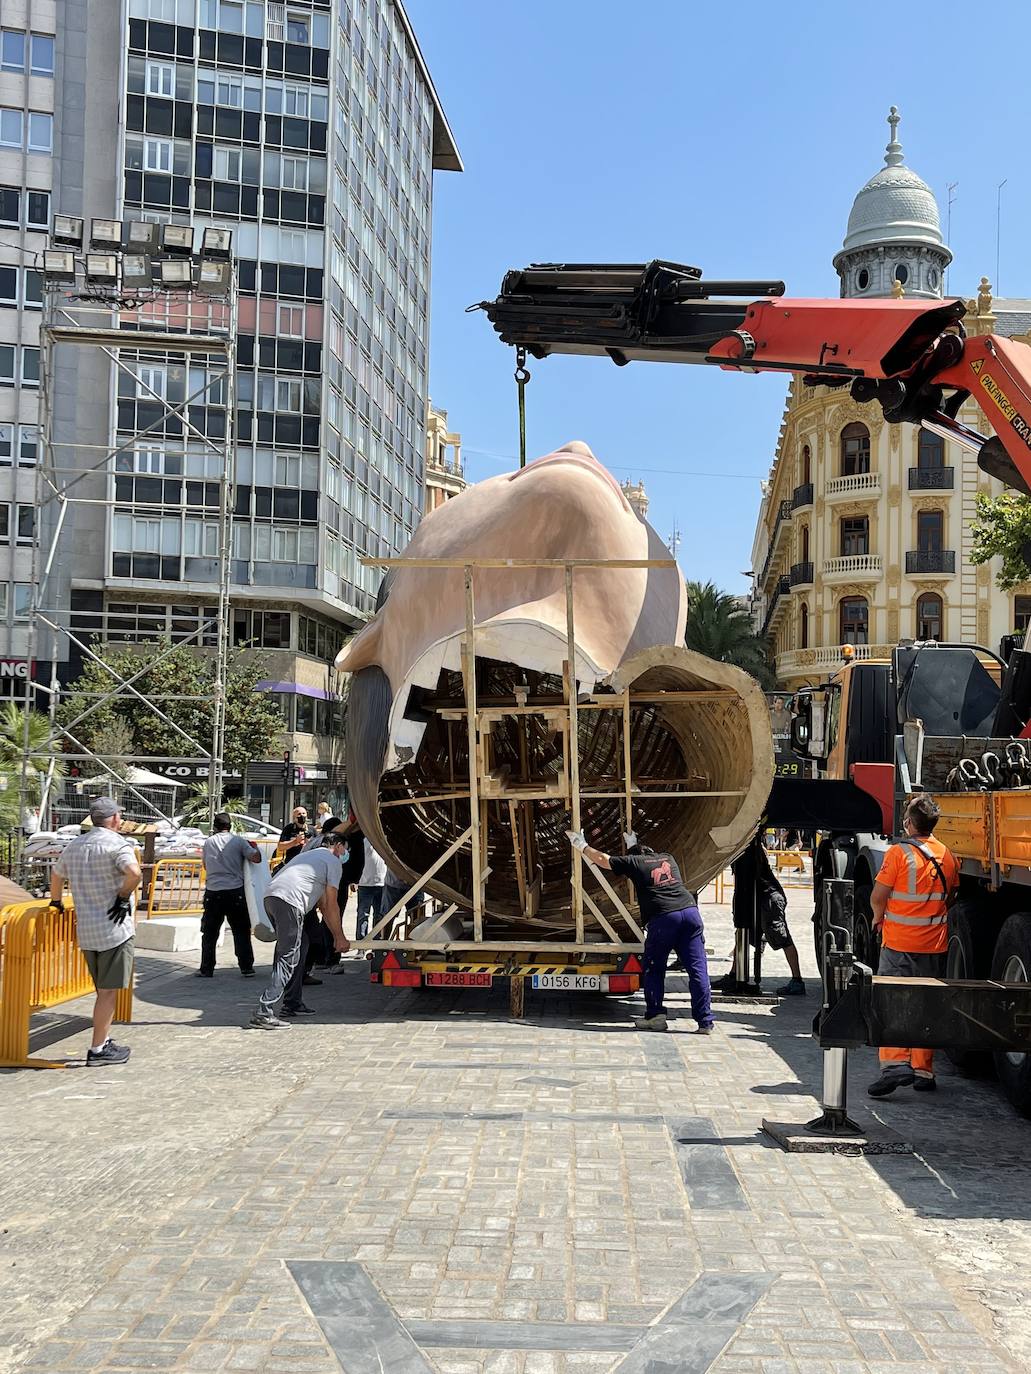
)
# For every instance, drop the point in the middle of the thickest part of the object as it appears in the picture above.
(565, 505)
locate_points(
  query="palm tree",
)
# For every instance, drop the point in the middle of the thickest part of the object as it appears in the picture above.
(43, 761)
(197, 807)
(718, 628)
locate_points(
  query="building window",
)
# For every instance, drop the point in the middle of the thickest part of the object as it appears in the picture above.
(8, 286)
(30, 366)
(854, 624)
(291, 321)
(157, 155)
(12, 50)
(32, 293)
(804, 548)
(37, 214)
(28, 445)
(12, 128)
(6, 443)
(161, 79)
(901, 272)
(855, 536)
(930, 528)
(930, 451)
(294, 174)
(42, 54)
(298, 27)
(22, 600)
(803, 626)
(855, 450)
(929, 616)
(41, 133)
(10, 205)
(150, 382)
(7, 352)
(5, 521)
(862, 279)
(26, 524)
(229, 90)
(1021, 613)
(807, 465)
(228, 164)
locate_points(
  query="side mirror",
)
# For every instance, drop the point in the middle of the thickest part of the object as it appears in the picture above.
(801, 723)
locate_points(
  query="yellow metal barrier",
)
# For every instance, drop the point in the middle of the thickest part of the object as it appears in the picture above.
(788, 859)
(43, 967)
(719, 884)
(176, 888)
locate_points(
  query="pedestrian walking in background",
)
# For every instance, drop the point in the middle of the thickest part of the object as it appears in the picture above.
(294, 835)
(910, 902)
(370, 891)
(224, 900)
(671, 920)
(310, 880)
(323, 813)
(103, 871)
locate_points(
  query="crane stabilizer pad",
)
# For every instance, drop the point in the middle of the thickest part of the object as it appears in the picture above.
(875, 1139)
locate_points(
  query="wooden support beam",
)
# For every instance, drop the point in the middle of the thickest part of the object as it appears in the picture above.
(438, 921)
(420, 801)
(416, 887)
(469, 668)
(615, 900)
(573, 752)
(517, 855)
(593, 908)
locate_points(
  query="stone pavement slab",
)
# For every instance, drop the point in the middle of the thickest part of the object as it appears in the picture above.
(550, 1173)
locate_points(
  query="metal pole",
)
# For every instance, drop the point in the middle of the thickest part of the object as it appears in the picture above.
(837, 925)
(223, 647)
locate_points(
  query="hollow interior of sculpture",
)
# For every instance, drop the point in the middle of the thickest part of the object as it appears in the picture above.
(690, 754)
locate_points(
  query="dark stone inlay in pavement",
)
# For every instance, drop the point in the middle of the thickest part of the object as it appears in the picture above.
(660, 1051)
(572, 1065)
(582, 1118)
(427, 1114)
(720, 1297)
(540, 1081)
(512, 1335)
(699, 1325)
(357, 1321)
(711, 1183)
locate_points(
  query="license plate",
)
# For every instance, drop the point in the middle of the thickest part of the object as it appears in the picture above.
(458, 980)
(568, 982)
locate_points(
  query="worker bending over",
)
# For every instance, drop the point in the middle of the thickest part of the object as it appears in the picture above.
(910, 902)
(670, 916)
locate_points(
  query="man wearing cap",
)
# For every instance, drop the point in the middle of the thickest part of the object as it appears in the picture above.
(103, 872)
(224, 899)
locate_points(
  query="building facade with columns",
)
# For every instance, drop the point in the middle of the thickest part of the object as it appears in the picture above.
(864, 531)
(443, 474)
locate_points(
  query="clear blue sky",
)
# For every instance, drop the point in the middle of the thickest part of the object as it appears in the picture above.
(732, 138)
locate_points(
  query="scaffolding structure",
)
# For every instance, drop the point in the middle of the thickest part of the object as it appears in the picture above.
(132, 329)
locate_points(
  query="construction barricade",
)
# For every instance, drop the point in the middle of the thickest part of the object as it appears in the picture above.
(42, 967)
(176, 888)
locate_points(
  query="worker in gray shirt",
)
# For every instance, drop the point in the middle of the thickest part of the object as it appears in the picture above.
(310, 880)
(224, 900)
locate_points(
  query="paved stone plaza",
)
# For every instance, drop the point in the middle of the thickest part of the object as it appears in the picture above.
(413, 1182)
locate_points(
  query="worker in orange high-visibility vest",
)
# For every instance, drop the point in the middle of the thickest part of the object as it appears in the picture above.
(911, 898)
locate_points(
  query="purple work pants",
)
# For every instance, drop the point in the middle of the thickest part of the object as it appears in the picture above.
(681, 931)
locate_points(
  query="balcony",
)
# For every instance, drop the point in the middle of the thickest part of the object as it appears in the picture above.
(932, 479)
(801, 574)
(818, 662)
(920, 562)
(802, 496)
(777, 602)
(783, 513)
(854, 565)
(859, 484)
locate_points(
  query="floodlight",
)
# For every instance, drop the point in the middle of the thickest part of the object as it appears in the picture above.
(214, 277)
(141, 237)
(68, 229)
(177, 238)
(58, 264)
(216, 243)
(177, 272)
(102, 269)
(137, 270)
(105, 233)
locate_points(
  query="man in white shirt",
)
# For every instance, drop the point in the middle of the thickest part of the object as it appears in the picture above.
(310, 880)
(224, 900)
(103, 872)
(370, 891)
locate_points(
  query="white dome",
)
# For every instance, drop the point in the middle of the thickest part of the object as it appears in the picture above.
(895, 206)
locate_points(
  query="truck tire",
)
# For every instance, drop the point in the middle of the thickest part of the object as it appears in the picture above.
(1012, 964)
(866, 944)
(969, 956)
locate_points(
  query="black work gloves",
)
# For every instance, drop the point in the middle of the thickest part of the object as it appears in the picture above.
(118, 910)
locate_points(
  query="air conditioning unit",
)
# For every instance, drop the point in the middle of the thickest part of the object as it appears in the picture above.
(275, 23)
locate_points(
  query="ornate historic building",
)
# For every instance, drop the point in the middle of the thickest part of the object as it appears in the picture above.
(443, 474)
(863, 534)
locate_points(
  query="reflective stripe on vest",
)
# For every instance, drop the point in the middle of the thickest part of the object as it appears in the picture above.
(932, 904)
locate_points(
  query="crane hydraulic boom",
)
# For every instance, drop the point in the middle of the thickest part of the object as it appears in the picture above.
(911, 357)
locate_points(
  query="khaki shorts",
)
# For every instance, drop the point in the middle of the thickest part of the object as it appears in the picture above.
(110, 968)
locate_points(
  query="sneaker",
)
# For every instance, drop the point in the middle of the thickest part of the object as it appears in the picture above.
(203, 973)
(246, 973)
(267, 1020)
(890, 1080)
(705, 1030)
(302, 1010)
(795, 987)
(925, 1084)
(310, 982)
(109, 1053)
(651, 1023)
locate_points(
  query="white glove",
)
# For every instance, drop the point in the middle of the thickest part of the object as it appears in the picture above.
(629, 838)
(577, 839)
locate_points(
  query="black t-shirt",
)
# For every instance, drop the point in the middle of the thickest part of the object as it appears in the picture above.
(293, 831)
(657, 882)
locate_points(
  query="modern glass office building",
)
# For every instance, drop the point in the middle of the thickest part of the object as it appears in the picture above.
(312, 130)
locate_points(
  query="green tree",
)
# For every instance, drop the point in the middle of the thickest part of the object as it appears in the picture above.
(41, 758)
(1002, 527)
(253, 720)
(196, 809)
(718, 628)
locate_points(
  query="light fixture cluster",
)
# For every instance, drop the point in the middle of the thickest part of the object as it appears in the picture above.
(137, 256)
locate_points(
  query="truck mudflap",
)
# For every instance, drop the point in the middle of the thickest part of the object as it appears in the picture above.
(399, 968)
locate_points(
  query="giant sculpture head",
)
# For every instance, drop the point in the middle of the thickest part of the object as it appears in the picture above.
(406, 739)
